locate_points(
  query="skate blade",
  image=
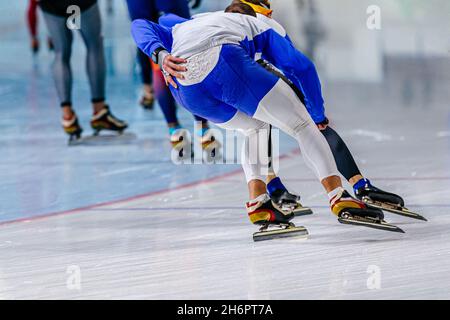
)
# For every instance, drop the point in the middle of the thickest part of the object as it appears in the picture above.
(75, 140)
(302, 211)
(98, 129)
(374, 225)
(298, 232)
(394, 209)
(297, 211)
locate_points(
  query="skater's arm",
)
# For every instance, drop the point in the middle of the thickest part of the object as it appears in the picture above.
(32, 18)
(150, 36)
(170, 20)
(280, 51)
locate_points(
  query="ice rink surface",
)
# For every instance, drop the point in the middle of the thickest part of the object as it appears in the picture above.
(117, 217)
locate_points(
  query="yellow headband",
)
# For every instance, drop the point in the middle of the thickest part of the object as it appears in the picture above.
(258, 9)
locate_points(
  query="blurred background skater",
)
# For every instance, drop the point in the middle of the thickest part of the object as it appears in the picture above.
(55, 16)
(110, 7)
(32, 23)
(313, 28)
(154, 86)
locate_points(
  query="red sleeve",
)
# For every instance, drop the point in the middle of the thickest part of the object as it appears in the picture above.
(32, 17)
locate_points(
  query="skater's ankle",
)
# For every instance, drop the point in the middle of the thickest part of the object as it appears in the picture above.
(361, 183)
(256, 188)
(98, 105)
(202, 131)
(275, 185)
(331, 183)
(261, 198)
(147, 89)
(336, 193)
(355, 179)
(199, 125)
(67, 112)
(173, 129)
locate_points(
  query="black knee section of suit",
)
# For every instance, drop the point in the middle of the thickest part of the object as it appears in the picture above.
(342, 155)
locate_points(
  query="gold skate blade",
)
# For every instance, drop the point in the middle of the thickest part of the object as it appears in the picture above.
(300, 232)
(374, 225)
(394, 209)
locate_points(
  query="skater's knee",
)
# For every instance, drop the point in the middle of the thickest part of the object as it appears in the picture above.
(300, 126)
(256, 127)
(63, 54)
(95, 44)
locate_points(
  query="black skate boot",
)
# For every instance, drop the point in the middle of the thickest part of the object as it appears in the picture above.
(353, 211)
(285, 200)
(263, 212)
(147, 100)
(72, 128)
(377, 198)
(104, 120)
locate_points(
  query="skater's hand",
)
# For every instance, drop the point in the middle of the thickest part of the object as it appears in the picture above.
(323, 125)
(172, 67)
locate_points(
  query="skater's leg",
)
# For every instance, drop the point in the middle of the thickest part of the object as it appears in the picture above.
(91, 32)
(342, 155)
(168, 107)
(348, 168)
(282, 108)
(32, 22)
(62, 73)
(254, 154)
(146, 79)
(144, 9)
(242, 83)
(165, 98)
(255, 162)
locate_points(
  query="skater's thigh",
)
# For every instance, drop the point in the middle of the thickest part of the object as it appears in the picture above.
(59, 33)
(239, 81)
(199, 101)
(91, 27)
(282, 108)
(243, 123)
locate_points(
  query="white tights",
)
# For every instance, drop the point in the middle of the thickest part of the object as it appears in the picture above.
(282, 109)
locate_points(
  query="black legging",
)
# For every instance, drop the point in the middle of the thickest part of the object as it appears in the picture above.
(342, 155)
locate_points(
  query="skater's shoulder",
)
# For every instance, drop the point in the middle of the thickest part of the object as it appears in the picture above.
(235, 22)
(275, 25)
